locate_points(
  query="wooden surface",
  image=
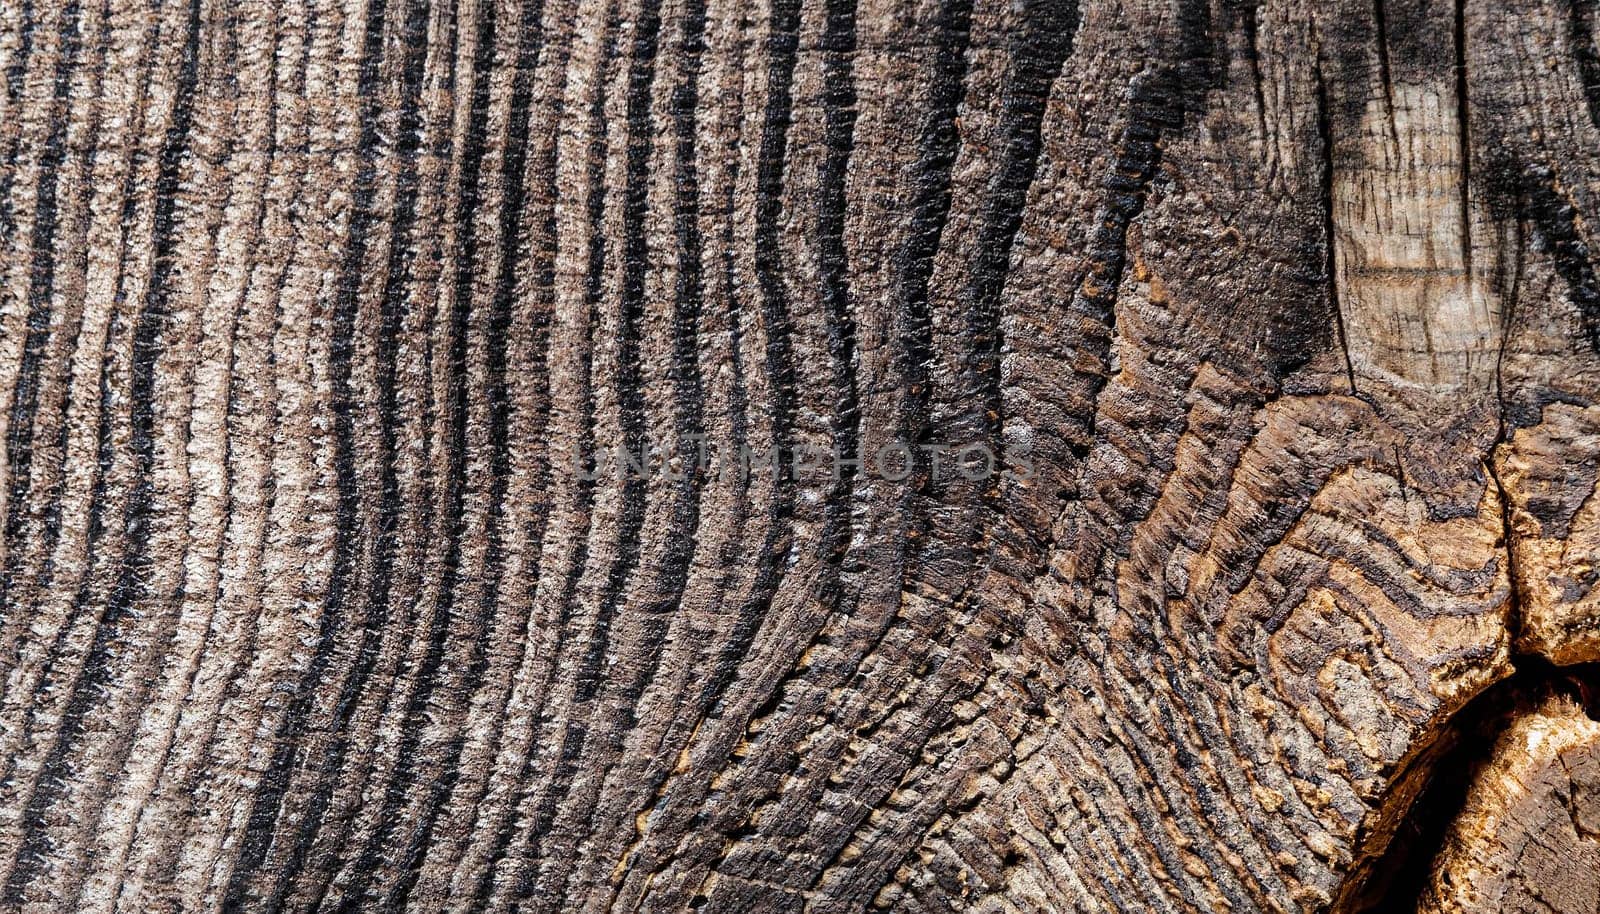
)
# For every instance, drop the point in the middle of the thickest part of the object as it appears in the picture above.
(312, 313)
(1527, 837)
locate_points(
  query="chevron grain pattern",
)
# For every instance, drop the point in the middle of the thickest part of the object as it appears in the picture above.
(373, 371)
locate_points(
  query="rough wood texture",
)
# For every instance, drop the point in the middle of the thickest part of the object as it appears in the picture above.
(312, 311)
(1528, 836)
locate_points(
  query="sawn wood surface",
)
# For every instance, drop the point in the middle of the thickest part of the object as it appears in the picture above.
(314, 315)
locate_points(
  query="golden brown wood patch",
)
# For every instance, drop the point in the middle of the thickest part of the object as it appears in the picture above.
(1528, 835)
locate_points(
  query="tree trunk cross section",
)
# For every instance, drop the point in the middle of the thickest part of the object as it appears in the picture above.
(358, 357)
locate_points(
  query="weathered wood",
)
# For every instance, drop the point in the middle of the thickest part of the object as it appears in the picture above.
(315, 315)
(1528, 836)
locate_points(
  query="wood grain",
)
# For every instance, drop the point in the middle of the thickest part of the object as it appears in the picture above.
(1528, 835)
(315, 314)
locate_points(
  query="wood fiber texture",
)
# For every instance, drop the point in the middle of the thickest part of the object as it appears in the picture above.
(314, 313)
(1527, 838)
